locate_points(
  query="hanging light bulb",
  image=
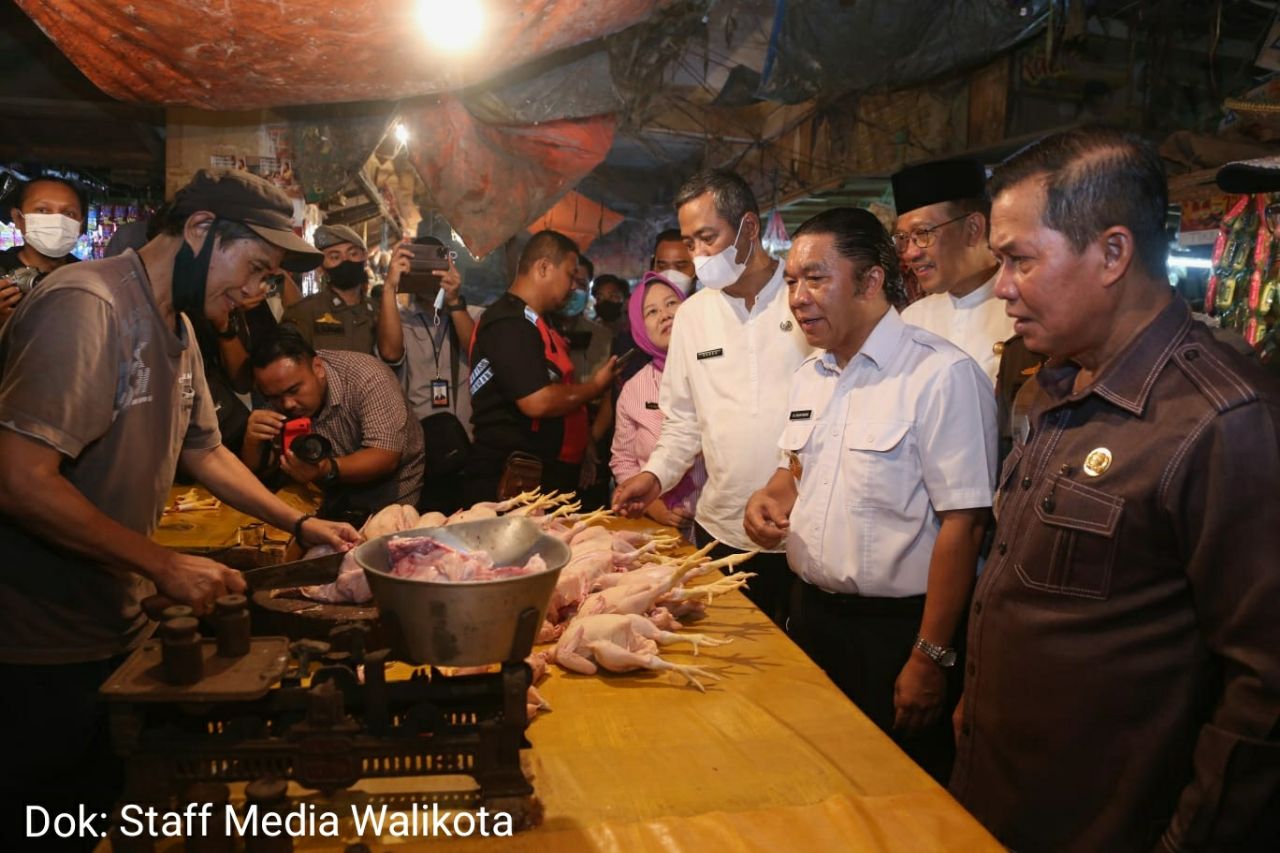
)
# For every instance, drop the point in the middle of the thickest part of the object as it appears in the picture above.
(401, 134)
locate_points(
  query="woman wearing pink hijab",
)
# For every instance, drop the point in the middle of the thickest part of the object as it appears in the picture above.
(652, 310)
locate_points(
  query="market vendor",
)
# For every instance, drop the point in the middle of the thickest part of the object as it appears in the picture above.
(49, 212)
(526, 395)
(883, 489)
(102, 394)
(374, 456)
(341, 315)
(1123, 684)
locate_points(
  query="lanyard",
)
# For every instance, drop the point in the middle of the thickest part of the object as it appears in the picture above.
(436, 346)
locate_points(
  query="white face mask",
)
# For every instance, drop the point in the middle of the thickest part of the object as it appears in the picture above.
(51, 234)
(720, 270)
(681, 281)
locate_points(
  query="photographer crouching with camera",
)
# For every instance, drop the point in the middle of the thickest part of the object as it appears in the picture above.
(336, 419)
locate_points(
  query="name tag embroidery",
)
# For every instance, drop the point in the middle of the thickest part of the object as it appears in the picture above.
(711, 353)
(802, 414)
(651, 406)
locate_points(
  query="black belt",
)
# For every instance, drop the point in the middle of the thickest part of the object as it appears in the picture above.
(864, 604)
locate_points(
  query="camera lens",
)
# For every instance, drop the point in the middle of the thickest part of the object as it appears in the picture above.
(311, 447)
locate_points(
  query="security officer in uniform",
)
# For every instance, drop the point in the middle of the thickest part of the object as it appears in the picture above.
(341, 315)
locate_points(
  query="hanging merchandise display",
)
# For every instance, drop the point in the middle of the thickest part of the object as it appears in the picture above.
(776, 240)
(1246, 268)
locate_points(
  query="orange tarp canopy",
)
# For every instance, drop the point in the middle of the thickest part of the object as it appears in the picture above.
(250, 54)
(578, 218)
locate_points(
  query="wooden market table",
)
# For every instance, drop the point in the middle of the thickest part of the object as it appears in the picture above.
(772, 757)
(218, 532)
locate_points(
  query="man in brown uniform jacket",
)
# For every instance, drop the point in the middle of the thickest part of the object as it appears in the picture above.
(1123, 684)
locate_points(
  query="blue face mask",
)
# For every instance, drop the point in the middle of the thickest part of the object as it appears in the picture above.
(575, 304)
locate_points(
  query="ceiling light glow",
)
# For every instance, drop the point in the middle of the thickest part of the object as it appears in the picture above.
(452, 26)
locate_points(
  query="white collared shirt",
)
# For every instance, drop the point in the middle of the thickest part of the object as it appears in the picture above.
(906, 430)
(975, 322)
(724, 394)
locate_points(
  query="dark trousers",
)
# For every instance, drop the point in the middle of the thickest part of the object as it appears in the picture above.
(770, 589)
(862, 645)
(57, 751)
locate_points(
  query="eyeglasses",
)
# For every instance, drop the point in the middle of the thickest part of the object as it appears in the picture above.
(922, 237)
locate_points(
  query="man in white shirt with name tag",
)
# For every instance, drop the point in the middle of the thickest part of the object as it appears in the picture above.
(733, 349)
(883, 488)
(941, 236)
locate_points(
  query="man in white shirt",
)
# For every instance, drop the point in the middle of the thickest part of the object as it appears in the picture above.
(941, 236)
(733, 349)
(883, 490)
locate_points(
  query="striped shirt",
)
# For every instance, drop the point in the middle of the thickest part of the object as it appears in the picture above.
(637, 427)
(365, 407)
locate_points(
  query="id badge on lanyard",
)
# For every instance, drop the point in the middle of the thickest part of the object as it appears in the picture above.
(439, 386)
(439, 394)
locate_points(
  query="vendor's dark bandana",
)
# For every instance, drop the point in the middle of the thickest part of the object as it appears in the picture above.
(190, 275)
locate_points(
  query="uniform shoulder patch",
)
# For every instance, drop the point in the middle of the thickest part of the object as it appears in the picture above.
(1213, 377)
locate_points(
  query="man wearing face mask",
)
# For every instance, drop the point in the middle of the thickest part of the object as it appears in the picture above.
(733, 350)
(102, 394)
(610, 294)
(589, 341)
(50, 214)
(341, 315)
(672, 258)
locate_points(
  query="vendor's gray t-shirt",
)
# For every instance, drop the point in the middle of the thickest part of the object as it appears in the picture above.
(89, 368)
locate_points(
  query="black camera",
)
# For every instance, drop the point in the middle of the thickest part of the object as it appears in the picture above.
(312, 447)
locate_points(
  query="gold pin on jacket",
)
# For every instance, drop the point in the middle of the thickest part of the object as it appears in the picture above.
(1097, 462)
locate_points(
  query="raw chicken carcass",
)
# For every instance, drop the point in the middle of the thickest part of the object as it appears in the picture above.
(522, 504)
(350, 587)
(644, 595)
(624, 643)
(428, 559)
(590, 558)
(390, 519)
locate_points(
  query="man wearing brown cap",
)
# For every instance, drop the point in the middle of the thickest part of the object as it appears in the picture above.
(341, 315)
(102, 394)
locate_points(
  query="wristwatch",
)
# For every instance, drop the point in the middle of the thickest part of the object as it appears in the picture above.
(330, 476)
(943, 657)
(460, 305)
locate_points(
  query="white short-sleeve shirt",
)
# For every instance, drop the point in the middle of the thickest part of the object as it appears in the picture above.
(724, 394)
(975, 322)
(906, 430)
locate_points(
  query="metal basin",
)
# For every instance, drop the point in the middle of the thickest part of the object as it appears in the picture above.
(474, 622)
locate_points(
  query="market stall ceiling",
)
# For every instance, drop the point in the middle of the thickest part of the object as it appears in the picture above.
(250, 54)
(657, 83)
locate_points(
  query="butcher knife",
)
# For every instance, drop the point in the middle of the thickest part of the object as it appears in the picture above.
(281, 576)
(298, 573)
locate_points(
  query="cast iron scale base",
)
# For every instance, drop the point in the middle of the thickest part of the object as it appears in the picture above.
(322, 715)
